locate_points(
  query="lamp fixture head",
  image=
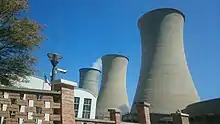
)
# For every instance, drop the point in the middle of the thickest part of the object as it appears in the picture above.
(54, 58)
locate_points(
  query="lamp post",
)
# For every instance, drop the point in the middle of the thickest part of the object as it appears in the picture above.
(54, 59)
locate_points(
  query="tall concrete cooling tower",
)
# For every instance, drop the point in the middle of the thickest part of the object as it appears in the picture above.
(113, 92)
(89, 79)
(164, 81)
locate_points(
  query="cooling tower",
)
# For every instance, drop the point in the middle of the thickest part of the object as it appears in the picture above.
(89, 79)
(164, 81)
(113, 92)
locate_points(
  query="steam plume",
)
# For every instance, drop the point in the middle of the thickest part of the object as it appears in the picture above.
(97, 64)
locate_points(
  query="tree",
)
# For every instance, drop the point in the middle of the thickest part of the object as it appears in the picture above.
(19, 36)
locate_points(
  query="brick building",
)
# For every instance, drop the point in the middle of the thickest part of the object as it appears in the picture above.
(85, 101)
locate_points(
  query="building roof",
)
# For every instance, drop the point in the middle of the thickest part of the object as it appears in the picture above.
(203, 107)
(86, 91)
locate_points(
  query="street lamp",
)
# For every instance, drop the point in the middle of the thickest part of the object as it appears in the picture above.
(54, 59)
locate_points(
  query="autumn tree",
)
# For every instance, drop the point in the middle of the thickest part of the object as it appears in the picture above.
(19, 36)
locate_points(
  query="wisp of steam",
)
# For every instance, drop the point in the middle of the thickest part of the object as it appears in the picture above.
(97, 64)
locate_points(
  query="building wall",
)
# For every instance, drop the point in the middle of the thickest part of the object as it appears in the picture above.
(204, 112)
(39, 83)
(82, 94)
(35, 83)
(203, 107)
(28, 106)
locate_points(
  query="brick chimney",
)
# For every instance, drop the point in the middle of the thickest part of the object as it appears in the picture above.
(180, 118)
(67, 100)
(115, 115)
(143, 112)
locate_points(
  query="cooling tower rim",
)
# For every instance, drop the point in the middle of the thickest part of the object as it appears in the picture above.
(87, 69)
(162, 9)
(115, 55)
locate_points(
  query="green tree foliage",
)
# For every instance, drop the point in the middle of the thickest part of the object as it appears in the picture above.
(19, 36)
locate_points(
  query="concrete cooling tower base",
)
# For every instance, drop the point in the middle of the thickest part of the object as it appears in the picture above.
(113, 93)
(165, 81)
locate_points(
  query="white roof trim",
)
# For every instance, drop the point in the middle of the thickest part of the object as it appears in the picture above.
(62, 81)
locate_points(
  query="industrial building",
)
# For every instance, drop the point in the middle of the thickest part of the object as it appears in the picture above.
(85, 100)
(204, 112)
(164, 82)
(34, 82)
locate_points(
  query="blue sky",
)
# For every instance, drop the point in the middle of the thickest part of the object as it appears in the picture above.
(84, 30)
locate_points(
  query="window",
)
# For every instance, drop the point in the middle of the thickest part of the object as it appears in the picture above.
(31, 103)
(47, 105)
(4, 121)
(39, 121)
(47, 117)
(21, 120)
(30, 115)
(21, 108)
(76, 106)
(5, 95)
(87, 108)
